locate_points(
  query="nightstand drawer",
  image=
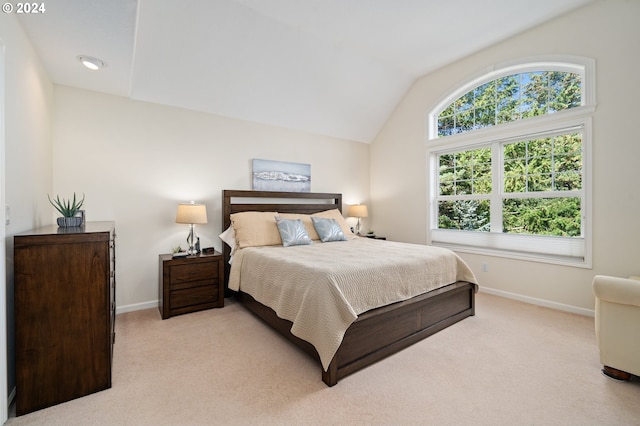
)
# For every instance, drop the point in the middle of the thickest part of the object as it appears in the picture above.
(194, 272)
(191, 284)
(194, 296)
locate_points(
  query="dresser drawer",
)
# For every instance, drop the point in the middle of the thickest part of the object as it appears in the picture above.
(195, 272)
(194, 296)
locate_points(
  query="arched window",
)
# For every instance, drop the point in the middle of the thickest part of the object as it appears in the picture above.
(510, 98)
(509, 156)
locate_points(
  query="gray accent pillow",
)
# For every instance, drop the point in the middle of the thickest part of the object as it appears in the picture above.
(292, 232)
(328, 229)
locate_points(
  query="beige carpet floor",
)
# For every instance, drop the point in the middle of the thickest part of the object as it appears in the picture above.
(511, 364)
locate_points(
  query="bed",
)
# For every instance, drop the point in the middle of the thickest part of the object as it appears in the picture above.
(370, 333)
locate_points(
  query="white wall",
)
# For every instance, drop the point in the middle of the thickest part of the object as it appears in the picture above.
(136, 161)
(28, 95)
(28, 103)
(607, 31)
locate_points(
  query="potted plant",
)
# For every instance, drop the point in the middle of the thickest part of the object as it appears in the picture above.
(68, 209)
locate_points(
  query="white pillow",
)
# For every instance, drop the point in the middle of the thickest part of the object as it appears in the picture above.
(229, 238)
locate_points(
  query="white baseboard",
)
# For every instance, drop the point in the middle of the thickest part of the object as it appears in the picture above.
(136, 307)
(539, 302)
(501, 293)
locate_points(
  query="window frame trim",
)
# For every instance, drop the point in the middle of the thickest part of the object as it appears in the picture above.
(579, 118)
(577, 64)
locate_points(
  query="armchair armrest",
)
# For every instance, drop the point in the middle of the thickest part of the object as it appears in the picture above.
(624, 291)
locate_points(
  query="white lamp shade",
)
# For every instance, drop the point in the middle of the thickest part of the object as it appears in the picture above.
(359, 210)
(191, 213)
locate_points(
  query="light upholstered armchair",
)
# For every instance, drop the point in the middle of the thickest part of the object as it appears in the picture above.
(618, 325)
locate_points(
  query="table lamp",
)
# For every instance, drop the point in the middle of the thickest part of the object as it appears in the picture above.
(359, 211)
(192, 214)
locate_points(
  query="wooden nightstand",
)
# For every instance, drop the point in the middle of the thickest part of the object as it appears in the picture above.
(190, 284)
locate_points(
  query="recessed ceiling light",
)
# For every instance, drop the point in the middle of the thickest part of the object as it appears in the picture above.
(91, 62)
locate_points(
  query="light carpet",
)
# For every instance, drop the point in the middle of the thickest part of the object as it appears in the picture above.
(511, 364)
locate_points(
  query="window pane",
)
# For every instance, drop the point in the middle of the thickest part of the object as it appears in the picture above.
(515, 184)
(468, 215)
(542, 216)
(464, 121)
(446, 175)
(508, 87)
(541, 147)
(445, 125)
(482, 171)
(513, 168)
(568, 144)
(485, 116)
(545, 164)
(485, 95)
(541, 182)
(564, 91)
(462, 162)
(536, 93)
(482, 186)
(538, 165)
(516, 150)
(446, 160)
(568, 163)
(509, 111)
(448, 112)
(567, 167)
(465, 172)
(464, 103)
(568, 181)
(463, 187)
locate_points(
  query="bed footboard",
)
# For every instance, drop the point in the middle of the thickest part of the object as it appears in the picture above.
(384, 331)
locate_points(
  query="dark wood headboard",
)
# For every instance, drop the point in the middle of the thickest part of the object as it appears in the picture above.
(236, 201)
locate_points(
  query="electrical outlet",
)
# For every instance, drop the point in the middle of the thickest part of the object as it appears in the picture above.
(485, 267)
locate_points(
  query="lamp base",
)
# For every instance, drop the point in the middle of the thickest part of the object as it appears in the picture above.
(193, 241)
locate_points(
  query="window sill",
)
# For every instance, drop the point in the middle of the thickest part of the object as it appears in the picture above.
(518, 255)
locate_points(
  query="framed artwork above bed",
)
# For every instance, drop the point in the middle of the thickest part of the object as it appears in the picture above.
(282, 176)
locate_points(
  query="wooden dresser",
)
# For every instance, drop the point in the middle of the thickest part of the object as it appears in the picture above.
(64, 313)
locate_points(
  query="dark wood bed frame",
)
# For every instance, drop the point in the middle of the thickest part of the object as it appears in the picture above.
(377, 333)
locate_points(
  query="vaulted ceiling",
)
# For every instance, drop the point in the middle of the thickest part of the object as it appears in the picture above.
(331, 67)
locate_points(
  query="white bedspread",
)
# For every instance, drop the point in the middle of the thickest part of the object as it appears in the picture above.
(323, 287)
